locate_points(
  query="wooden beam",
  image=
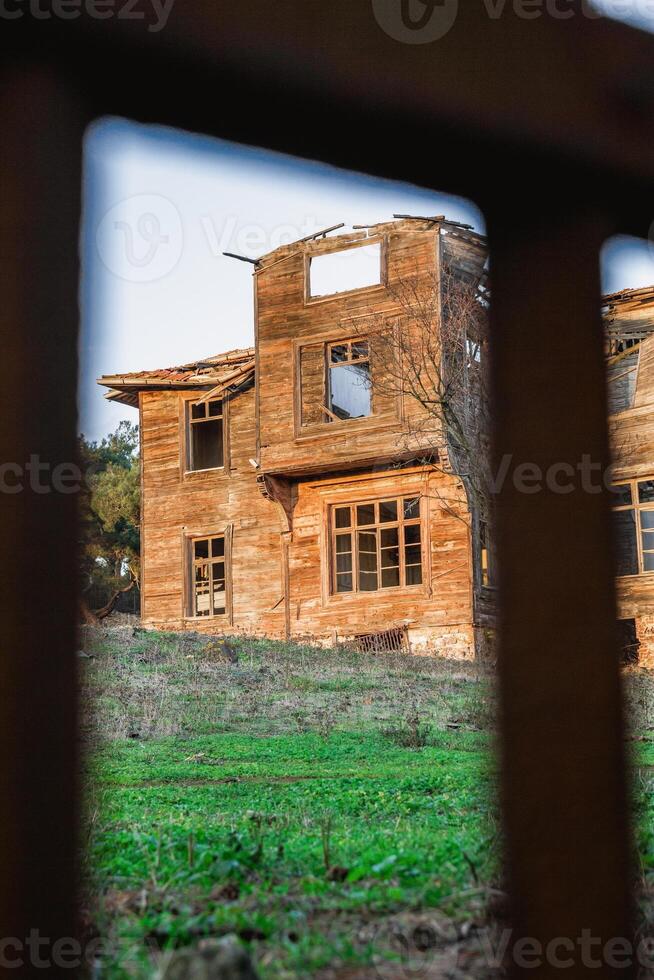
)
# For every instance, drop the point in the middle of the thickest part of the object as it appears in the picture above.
(563, 782)
(40, 170)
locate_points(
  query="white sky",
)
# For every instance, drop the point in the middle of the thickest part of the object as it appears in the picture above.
(160, 207)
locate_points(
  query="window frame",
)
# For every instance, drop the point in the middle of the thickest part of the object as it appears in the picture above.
(190, 562)
(329, 366)
(381, 240)
(380, 418)
(638, 508)
(400, 523)
(186, 442)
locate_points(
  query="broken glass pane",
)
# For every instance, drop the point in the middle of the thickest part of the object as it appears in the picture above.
(349, 390)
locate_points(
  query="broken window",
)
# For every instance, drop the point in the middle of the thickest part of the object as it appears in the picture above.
(208, 563)
(376, 545)
(349, 388)
(633, 526)
(345, 270)
(206, 442)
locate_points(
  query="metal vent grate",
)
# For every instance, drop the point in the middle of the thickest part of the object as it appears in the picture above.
(386, 641)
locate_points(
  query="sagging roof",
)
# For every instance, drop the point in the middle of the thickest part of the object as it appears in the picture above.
(629, 314)
(217, 374)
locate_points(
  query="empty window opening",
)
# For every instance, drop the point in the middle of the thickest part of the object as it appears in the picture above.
(349, 387)
(376, 545)
(208, 574)
(628, 641)
(485, 566)
(633, 526)
(386, 641)
(345, 270)
(206, 435)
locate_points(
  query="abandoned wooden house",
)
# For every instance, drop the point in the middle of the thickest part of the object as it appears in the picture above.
(300, 489)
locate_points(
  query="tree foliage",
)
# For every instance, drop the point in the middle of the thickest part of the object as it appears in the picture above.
(110, 514)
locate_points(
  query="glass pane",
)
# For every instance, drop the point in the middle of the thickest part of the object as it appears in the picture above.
(349, 391)
(411, 508)
(360, 349)
(390, 557)
(368, 541)
(215, 409)
(414, 575)
(412, 534)
(218, 547)
(390, 578)
(201, 548)
(646, 492)
(339, 352)
(344, 563)
(647, 519)
(620, 494)
(624, 530)
(198, 411)
(365, 514)
(207, 445)
(389, 537)
(648, 562)
(344, 583)
(368, 561)
(219, 573)
(367, 581)
(412, 554)
(343, 543)
(388, 511)
(343, 516)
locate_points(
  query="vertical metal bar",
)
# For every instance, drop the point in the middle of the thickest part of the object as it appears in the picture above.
(40, 172)
(563, 781)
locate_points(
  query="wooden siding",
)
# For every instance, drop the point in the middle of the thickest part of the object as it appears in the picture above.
(178, 504)
(438, 613)
(632, 437)
(287, 322)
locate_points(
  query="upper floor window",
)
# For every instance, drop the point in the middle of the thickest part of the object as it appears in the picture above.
(349, 388)
(633, 518)
(206, 437)
(344, 270)
(344, 380)
(208, 575)
(376, 545)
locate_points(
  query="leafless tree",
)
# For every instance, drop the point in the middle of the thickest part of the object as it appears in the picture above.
(436, 358)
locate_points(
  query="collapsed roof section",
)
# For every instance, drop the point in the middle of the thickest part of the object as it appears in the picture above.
(220, 374)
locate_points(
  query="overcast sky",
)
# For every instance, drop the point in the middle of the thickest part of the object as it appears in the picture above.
(160, 208)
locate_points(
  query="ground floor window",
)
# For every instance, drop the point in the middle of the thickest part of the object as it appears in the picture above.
(376, 545)
(633, 526)
(208, 576)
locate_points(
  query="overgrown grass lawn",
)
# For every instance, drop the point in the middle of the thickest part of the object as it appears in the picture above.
(298, 798)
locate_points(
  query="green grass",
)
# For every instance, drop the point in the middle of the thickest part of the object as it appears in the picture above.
(274, 798)
(303, 799)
